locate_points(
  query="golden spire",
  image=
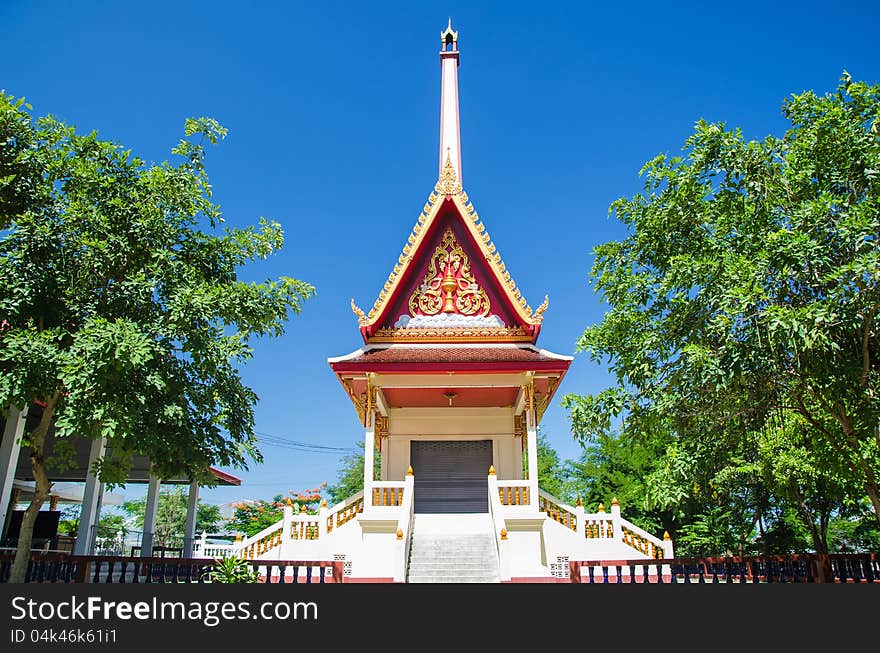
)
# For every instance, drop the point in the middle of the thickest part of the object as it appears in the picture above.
(448, 182)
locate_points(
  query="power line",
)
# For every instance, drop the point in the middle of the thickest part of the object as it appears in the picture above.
(295, 445)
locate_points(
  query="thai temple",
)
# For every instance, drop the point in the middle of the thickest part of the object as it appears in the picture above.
(450, 386)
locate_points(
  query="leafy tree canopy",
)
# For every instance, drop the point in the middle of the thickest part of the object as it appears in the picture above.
(121, 308)
(743, 309)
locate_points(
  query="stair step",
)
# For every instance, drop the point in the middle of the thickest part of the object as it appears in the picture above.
(452, 549)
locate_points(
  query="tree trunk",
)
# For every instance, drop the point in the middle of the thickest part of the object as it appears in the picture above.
(41, 493)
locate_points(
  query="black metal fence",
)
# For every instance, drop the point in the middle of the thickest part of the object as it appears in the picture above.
(804, 568)
(60, 568)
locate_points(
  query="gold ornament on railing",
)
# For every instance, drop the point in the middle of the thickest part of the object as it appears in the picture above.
(409, 471)
(503, 533)
(449, 285)
(399, 534)
(491, 470)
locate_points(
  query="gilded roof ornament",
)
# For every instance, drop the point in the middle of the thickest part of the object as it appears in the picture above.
(361, 316)
(538, 315)
(448, 183)
(449, 32)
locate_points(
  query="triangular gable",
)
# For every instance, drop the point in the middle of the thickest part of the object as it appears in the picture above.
(449, 283)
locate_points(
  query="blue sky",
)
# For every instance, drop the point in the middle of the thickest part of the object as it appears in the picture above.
(333, 118)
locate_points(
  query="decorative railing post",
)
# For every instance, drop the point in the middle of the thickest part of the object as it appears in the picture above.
(286, 524)
(667, 546)
(579, 515)
(322, 520)
(404, 530)
(201, 545)
(616, 523)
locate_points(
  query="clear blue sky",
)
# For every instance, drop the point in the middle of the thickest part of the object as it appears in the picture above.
(333, 114)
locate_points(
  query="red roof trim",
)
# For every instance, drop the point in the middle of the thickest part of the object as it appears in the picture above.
(444, 366)
(225, 477)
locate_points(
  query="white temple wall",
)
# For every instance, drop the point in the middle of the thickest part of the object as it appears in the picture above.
(408, 424)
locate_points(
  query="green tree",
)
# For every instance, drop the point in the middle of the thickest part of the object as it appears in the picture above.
(617, 466)
(748, 289)
(551, 472)
(252, 516)
(122, 310)
(350, 477)
(171, 516)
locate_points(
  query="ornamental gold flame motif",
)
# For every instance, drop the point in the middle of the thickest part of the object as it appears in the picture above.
(449, 285)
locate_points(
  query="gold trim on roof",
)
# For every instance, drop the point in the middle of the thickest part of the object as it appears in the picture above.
(448, 187)
(450, 334)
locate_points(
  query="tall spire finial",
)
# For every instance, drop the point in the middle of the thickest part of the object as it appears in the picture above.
(448, 36)
(450, 139)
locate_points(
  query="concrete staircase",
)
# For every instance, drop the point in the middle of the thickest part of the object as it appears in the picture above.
(456, 548)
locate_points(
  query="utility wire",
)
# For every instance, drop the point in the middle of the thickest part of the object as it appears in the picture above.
(295, 445)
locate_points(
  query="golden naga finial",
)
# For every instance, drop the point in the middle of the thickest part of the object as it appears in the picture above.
(538, 315)
(361, 316)
(448, 182)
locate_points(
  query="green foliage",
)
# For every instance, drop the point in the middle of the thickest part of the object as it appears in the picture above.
(233, 570)
(350, 478)
(252, 516)
(551, 476)
(120, 291)
(123, 310)
(742, 322)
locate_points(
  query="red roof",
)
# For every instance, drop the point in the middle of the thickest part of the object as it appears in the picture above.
(225, 478)
(441, 354)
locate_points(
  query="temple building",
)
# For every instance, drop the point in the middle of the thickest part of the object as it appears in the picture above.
(450, 387)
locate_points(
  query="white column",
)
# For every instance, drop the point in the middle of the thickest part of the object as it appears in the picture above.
(189, 530)
(9, 452)
(88, 516)
(450, 139)
(532, 445)
(369, 444)
(150, 516)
